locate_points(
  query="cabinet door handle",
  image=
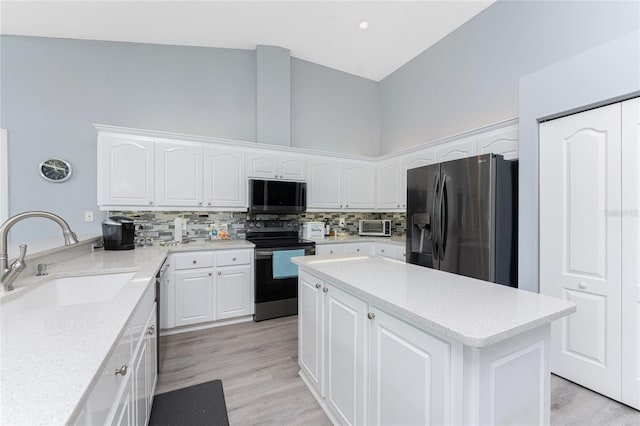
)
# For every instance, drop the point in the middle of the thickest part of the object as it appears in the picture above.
(234, 259)
(150, 203)
(199, 204)
(318, 285)
(371, 315)
(326, 289)
(151, 329)
(330, 251)
(208, 204)
(212, 274)
(219, 272)
(358, 250)
(122, 370)
(194, 262)
(582, 285)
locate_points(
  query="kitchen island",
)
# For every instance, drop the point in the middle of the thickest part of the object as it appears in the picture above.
(384, 342)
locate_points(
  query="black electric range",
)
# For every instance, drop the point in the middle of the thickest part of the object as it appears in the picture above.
(275, 291)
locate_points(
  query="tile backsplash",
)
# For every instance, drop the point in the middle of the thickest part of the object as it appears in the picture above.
(159, 225)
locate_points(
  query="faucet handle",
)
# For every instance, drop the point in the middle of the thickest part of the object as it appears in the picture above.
(23, 252)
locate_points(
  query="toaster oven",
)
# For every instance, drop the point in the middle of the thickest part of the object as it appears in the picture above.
(375, 227)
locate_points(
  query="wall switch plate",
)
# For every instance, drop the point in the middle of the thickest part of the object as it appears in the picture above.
(88, 216)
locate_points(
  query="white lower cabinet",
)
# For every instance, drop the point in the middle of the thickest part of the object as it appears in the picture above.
(329, 249)
(366, 366)
(123, 394)
(207, 286)
(358, 248)
(406, 366)
(345, 343)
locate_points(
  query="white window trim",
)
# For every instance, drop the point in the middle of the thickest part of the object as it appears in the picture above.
(4, 176)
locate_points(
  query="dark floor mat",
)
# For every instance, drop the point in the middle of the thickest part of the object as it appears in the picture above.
(201, 404)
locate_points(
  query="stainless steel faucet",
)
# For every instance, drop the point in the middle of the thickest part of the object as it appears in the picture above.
(9, 273)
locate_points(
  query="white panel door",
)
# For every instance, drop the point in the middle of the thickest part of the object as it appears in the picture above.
(124, 412)
(125, 171)
(631, 252)
(419, 159)
(389, 185)
(233, 291)
(359, 181)
(580, 241)
(410, 375)
(503, 142)
(194, 297)
(141, 401)
(262, 165)
(225, 179)
(311, 329)
(292, 167)
(345, 356)
(178, 174)
(454, 150)
(325, 184)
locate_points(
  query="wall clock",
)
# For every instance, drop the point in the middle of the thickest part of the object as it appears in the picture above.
(55, 170)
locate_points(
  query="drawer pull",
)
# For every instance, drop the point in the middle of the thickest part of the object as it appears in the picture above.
(151, 329)
(212, 274)
(122, 370)
(326, 289)
(582, 285)
(234, 259)
(318, 285)
(194, 262)
(371, 315)
(219, 272)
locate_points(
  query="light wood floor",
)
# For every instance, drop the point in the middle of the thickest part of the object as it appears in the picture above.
(258, 366)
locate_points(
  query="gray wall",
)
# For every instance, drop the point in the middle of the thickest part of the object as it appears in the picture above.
(273, 95)
(333, 111)
(598, 76)
(470, 78)
(53, 90)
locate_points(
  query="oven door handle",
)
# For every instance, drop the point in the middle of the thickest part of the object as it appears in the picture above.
(266, 254)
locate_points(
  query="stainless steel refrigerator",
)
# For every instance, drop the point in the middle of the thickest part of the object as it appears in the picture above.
(462, 217)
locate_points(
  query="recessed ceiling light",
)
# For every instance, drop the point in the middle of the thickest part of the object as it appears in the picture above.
(362, 24)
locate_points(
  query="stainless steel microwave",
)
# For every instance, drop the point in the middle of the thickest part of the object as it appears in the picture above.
(375, 227)
(276, 196)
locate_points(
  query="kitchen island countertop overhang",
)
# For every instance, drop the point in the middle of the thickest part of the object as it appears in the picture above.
(474, 312)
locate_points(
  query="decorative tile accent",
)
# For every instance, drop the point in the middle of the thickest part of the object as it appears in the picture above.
(159, 225)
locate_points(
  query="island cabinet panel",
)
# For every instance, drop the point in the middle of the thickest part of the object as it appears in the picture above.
(311, 329)
(580, 243)
(346, 342)
(409, 369)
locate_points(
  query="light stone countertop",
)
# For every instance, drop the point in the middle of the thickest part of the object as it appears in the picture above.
(474, 312)
(396, 240)
(51, 357)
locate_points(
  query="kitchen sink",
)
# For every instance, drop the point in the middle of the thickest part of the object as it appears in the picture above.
(67, 291)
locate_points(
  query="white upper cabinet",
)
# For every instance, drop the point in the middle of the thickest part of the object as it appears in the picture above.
(359, 182)
(391, 185)
(503, 141)
(178, 174)
(462, 148)
(325, 183)
(224, 177)
(421, 158)
(125, 171)
(265, 165)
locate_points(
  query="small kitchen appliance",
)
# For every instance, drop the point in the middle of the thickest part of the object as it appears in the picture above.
(312, 230)
(375, 227)
(118, 233)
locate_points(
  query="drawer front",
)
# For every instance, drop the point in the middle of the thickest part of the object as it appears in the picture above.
(203, 259)
(357, 248)
(385, 250)
(233, 257)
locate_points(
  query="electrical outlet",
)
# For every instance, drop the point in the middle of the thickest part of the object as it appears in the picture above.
(343, 222)
(88, 216)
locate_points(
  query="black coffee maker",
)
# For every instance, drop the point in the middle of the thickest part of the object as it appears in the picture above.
(118, 233)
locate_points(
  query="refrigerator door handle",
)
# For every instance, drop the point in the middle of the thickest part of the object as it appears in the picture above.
(444, 221)
(435, 225)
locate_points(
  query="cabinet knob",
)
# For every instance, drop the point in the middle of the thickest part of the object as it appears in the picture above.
(219, 272)
(150, 203)
(122, 370)
(398, 205)
(326, 289)
(234, 259)
(382, 250)
(212, 274)
(330, 251)
(582, 285)
(151, 329)
(318, 285)
(347, 206)
(194, 262)
(340, 205)
(208, 204)
(199, 204)
(357, 249)
(371, 315)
